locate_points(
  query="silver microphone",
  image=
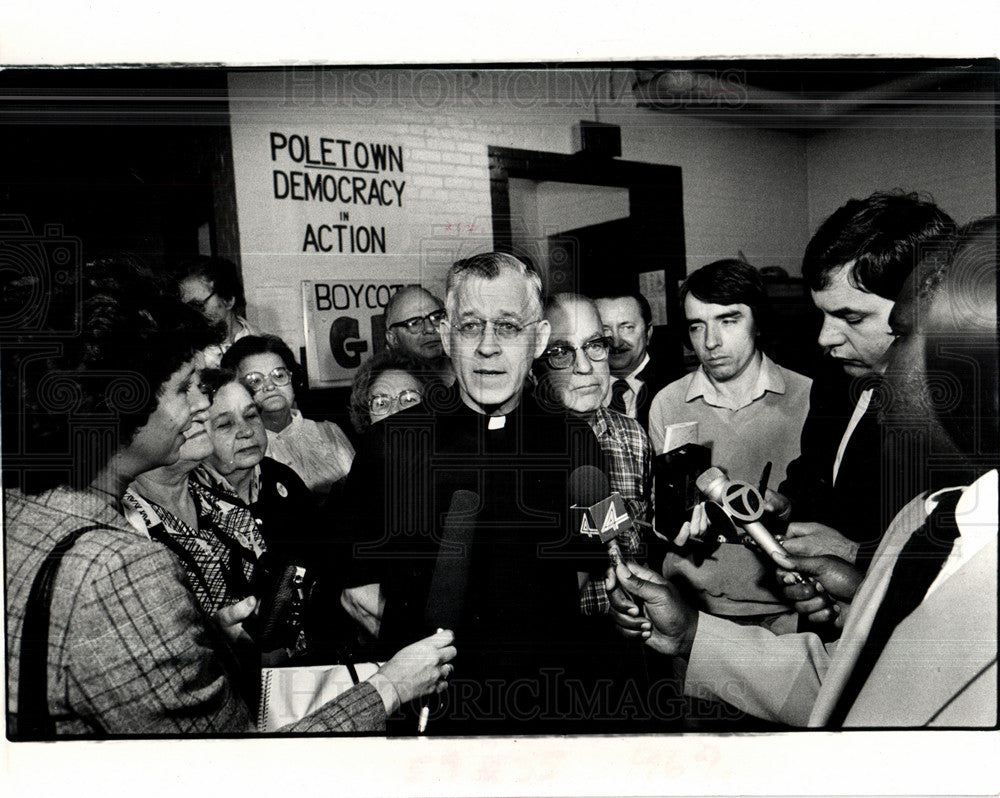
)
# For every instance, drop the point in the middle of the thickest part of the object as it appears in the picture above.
(743, 503)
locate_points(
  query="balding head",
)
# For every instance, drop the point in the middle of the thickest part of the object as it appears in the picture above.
(408, 330)
(574, 372)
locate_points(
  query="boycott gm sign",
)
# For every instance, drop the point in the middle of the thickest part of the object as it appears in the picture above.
(344, 326)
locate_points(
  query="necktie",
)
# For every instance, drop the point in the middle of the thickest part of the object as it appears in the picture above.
(918, 565)
(618, 390)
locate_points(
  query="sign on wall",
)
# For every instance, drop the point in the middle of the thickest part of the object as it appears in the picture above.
(344, 326)
(346, 178)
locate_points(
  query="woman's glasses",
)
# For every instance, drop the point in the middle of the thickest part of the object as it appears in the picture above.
(278, 377)
(382, 403)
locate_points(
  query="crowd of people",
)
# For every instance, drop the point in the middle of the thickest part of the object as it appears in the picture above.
(190, 531)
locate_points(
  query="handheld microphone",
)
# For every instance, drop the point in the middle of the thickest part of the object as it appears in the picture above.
(446, 597)
(602, 511)
(744, 504)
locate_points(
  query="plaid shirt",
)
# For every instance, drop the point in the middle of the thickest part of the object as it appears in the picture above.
(130, 649)
(220, 554)
(629, 455)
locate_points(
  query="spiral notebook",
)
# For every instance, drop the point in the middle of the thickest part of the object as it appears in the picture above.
(289, 694)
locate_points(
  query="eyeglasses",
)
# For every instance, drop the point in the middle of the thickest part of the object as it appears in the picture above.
(382, 403)
(254, 381)
(562, 356)
(474, 329)
(199, 304)
(415, 325)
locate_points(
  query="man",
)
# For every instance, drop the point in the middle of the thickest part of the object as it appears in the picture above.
(749, 411)
(628, 321)
(412, 317)
(844, 486)
(919, 645)
(573, 374)
(514, 577)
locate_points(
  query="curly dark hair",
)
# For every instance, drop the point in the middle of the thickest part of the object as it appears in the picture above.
(371, 370)
(258, 345)
(729, 282)
(883, 235)
(110, 342)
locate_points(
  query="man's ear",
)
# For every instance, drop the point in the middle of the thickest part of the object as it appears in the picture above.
(229, 303)
(543, 331)
(444, 330)
(649, 332)
(391, 337)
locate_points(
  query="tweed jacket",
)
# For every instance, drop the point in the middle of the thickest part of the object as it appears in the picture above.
(130, 651)
(938, 668)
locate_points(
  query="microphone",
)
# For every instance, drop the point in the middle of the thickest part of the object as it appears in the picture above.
(743, 503)
(602, 510)
(446, 596)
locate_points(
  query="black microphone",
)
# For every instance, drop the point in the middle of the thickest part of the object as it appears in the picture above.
(446, 598)
(603, 511)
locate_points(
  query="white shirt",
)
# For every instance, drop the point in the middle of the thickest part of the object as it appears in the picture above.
(632, 394)
(976, 515)
(859, 411)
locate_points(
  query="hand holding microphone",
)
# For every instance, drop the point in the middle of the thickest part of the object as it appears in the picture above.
(744, 504)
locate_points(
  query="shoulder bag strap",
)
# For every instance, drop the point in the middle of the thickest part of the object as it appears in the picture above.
(33, 719)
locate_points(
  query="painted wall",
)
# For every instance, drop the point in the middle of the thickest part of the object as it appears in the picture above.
(743, 189)
(953, 160)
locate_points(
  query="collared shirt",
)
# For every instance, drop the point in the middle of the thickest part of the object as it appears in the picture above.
(629, 457)
(859, 410)
(319, 452)
(734, 580)
(635, 385)
(976, 516)
(744, 439)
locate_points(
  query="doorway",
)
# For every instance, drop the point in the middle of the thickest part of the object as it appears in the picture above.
(592, 224)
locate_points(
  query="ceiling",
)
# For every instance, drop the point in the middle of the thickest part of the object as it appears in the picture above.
(819, 93)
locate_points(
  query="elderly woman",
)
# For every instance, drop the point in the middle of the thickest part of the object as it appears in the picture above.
(212, 287)
(318, 451)
(105, 635)
(385, 384)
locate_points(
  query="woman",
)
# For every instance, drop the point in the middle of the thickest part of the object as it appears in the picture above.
(319, 452)
(129, 650)
(212, 287)
(259, 498)
(384, 385)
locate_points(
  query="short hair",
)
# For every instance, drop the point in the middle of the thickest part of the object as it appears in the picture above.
(489, 265)
(371, 370)
(129, 336)
(390, 306)
(258, 345)
(219, 273)
(644, 307)
(563, 300)
(214, 380)
(882, 234)
(728, 282)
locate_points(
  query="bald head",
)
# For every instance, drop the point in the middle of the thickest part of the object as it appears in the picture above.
(419, 338)
(577, 339)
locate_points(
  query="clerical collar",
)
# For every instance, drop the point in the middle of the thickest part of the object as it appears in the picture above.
(496, 422)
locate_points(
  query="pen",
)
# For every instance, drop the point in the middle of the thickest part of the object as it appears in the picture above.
(425, 708)
(765, 478)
